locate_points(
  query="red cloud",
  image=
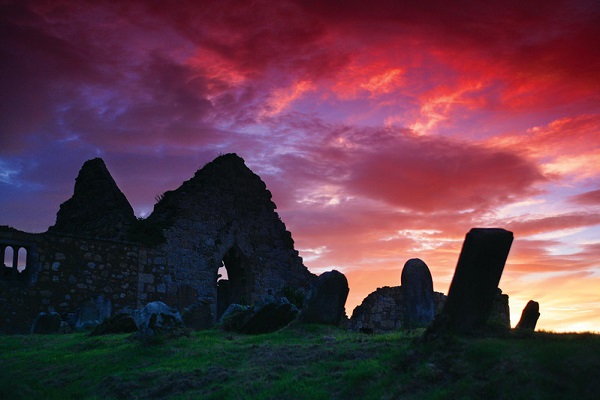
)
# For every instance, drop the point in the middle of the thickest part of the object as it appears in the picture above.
(254, 36)
(541, 37)
(587, 198)
(433, 174)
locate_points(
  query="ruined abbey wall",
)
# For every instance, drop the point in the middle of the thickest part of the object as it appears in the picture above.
(222, 217)
(62, 272)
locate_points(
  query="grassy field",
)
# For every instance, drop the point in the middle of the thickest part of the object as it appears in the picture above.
(300, 362)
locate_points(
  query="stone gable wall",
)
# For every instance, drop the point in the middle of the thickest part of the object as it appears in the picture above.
(224, 214)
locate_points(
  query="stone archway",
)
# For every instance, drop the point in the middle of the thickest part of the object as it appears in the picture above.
(238, 286)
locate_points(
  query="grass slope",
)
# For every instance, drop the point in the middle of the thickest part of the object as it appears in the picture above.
(300, 362)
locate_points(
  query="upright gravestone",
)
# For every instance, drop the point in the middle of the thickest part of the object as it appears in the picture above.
(417, 287)
(326, 300)
(88, 315)
(157, 317)
(499, 318)
(269, 315)
(529, 317)
(47, 323)
(198, 316)
(119, 323)
(475, 282)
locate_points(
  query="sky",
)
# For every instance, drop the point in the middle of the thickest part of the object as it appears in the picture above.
(385, 130)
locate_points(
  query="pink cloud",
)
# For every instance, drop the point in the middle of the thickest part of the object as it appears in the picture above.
(435, 174)
(587, 198)
(532, 226)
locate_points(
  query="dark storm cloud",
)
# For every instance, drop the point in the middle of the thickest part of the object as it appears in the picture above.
(38, 72)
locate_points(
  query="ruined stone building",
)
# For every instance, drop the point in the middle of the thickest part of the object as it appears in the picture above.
(390, 308)
(97, 249)
(413, 304)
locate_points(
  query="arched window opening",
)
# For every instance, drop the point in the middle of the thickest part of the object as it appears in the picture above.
(7, 268)
(22, 260)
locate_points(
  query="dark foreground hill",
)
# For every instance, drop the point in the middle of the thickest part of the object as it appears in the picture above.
(300, 362)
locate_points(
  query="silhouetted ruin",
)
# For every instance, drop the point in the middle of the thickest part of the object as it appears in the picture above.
(414, 304)
(98, 208)
(99, 263)
(417, 285)
(325, 302)
(411, 305)
(474, 287)
(529, 317)
(222, 217)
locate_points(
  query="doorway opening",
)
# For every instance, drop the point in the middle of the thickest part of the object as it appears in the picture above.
(234, 283)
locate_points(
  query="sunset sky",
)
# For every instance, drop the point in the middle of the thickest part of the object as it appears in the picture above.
(385, 129)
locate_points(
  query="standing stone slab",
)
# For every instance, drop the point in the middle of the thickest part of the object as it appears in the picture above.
(475, 282)
(417, 287)
(325, 302)
(529, 317)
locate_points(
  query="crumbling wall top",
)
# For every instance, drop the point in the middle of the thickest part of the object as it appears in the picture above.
(97, 209)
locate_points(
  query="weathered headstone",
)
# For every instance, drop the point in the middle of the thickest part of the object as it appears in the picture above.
(234, 316)
(65, 328)
(47, 323)
(417, 287)
(157, 317)
(88, 316)
(198, 316)
(267, 315)
(104, 306)
(529, 317)
(270, 316)
(93, 312)
(119, 323)
(499, 319)
(186, 296)
(326, 300)
(475, 282)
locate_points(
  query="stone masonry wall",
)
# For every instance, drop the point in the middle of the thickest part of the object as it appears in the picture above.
(63, 272)
(382, 310)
